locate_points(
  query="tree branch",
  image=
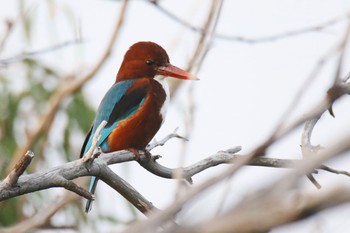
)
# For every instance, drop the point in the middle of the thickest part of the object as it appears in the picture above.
(5, 36)
(261, 215)
(242, 39)
(21, 57)
(61, 176)
(283, 184)
(306, 148)
(203, 44)
(54, 177)
(20, 167)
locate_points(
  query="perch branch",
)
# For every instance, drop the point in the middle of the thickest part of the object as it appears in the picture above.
(61, 176)
(188, 172)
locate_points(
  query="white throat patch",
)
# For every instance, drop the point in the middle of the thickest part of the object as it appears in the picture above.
(162, 80)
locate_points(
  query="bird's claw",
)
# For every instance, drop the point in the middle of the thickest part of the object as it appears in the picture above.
(137, 154)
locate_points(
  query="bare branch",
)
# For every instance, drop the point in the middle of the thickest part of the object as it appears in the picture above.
(341, 49)
(203, 44)
(335, 171)
(58, 176)
(21, 57)
(154, 144)
(188, 172)
(306, 148)
(303, 168)
(242, 39)
(269, 193)
(126, 190)
(61, 176)
(20, 167)
(9, 27)
(263, 214)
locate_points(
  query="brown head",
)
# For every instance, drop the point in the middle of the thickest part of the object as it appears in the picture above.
(146, 60)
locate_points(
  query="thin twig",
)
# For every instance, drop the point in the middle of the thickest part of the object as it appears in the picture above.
(73, 187)
(337, 79)
(341, 48)
(154, 144)
(335, 171)
(203, 44)
(242, 39)
(9, 27)
(21, 57)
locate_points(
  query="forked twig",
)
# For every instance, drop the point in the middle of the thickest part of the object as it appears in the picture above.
(93, 150)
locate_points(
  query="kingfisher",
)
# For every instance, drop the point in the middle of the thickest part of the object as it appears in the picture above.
(135, 106)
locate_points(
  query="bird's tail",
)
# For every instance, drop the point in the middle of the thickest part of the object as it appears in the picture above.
(93, 184)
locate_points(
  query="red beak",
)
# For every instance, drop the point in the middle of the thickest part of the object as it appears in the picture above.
(175, 72)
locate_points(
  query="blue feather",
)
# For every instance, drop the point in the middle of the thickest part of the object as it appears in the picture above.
(108, 103)
(111, 98)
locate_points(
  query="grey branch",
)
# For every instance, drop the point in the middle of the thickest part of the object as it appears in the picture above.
(307, 148)
(62, 176)
(20, 167)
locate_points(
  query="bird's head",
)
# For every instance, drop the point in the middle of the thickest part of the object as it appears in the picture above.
(147, 60)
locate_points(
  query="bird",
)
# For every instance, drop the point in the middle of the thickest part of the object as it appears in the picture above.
(135, 105)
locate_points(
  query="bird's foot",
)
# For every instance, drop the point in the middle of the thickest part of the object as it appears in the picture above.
(137, 154)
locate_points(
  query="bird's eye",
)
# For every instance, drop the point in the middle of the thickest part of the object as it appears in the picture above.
(149, 62)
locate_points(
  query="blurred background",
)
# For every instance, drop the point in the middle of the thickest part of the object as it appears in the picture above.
(58, 59)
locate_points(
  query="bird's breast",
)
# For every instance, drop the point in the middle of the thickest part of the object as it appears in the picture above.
(138, 129)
